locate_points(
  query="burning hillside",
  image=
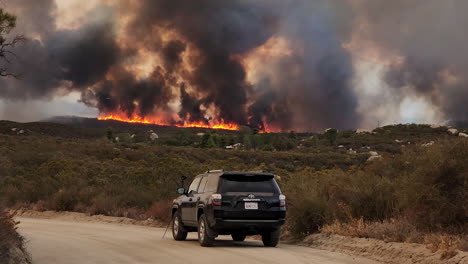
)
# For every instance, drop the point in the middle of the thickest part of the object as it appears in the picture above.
(155, 121)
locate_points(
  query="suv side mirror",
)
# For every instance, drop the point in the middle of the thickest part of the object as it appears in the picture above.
(181, 190)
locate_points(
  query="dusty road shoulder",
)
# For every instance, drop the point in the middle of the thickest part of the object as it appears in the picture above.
(81, 217)
(397, 253)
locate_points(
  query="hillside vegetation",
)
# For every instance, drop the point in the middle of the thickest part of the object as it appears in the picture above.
(416, 187)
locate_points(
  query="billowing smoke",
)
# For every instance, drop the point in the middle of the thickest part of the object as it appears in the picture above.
(429, 36)
(310, 88)
(274, 65)
(54, 59)
(217, 31)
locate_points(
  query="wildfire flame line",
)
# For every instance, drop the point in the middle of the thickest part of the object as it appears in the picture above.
(139, 120)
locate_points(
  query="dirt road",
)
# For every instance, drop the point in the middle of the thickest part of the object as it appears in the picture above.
(70, 242)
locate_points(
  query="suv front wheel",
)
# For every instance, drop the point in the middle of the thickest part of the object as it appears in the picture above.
(203, 235)
(271, 238)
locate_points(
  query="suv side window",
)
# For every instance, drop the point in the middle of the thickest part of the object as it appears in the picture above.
(194, 186)
(212, 184)
(201, 188)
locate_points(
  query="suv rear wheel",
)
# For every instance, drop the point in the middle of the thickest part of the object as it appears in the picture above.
(178, 231)
(238, 237)
(203, 235)
(271, 239)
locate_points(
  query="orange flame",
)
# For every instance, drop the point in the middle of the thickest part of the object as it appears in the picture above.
(155, 121)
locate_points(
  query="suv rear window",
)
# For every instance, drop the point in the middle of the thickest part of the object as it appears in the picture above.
(233, 184)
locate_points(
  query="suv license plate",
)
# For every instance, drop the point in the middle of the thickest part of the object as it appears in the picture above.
(251, 206)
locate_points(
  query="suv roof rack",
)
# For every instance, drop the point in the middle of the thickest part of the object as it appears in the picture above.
(214, 171)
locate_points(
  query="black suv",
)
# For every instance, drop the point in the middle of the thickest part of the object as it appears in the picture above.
(230, 203)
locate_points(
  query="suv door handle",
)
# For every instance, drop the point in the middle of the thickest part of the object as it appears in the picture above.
(190, 199)
(198, 199)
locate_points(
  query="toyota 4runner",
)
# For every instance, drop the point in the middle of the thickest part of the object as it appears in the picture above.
(230, 203)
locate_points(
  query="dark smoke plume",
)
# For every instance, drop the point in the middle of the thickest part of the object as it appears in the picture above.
(70, 59)
(313, 88)
(221, 33)
(201, 47)
(218, 30)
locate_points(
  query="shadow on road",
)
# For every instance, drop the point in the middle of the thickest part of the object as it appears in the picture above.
(228, 243)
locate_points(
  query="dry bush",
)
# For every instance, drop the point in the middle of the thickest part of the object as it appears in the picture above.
(342, 229)
(394, 230)
(355, 227)
(40, 206)
(445, 244)
(102, 204)
(463, 245)
(134, 213)
(388, 230)
(63, 200)
(399, 230)
(160, 210)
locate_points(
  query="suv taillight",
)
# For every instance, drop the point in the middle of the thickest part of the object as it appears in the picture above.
(216, 199)
(282, 200)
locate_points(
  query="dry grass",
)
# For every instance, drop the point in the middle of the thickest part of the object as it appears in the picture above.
(445, 244)
(392, 230)
(388, 230)
(398, 230)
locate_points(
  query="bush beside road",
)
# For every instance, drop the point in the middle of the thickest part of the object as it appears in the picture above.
(12, 248)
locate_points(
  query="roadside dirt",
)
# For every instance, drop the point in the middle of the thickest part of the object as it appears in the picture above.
(398, 253)
(81, 217)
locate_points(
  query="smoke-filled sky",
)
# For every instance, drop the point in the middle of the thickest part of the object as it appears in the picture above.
(300, 65)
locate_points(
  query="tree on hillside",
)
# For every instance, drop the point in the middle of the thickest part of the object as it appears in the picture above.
(7, 24)
(331, 135)
(110, 134)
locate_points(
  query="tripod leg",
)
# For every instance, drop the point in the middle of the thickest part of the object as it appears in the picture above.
(167, 227)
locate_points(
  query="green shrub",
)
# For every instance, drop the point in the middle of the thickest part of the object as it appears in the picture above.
(428, 187)
(63, 200)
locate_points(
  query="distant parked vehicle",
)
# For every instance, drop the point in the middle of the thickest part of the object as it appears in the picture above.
(230, 203)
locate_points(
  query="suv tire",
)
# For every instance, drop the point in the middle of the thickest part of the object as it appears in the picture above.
(178, 230)
(203, 233)
(271, 239)
(238, 237)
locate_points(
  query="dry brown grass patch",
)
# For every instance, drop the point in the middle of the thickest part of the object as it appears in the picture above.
(399, 230)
